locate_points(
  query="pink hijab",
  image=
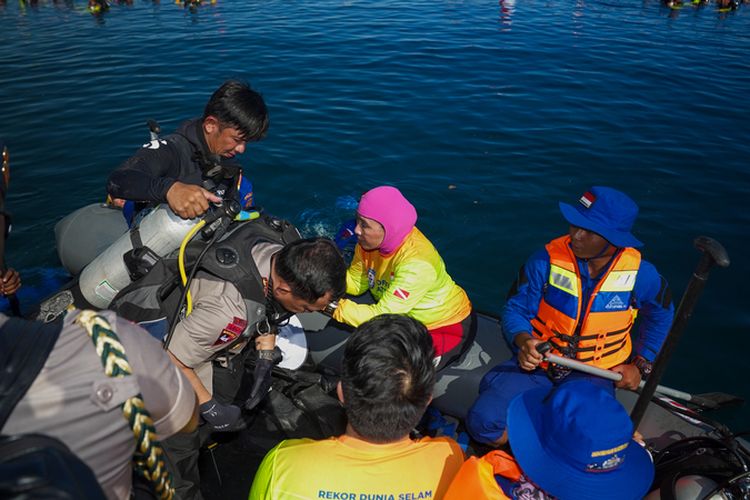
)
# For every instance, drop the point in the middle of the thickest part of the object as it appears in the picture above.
(386, 205)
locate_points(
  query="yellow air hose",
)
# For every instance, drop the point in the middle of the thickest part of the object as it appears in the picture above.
(181, 264)
(242, 216)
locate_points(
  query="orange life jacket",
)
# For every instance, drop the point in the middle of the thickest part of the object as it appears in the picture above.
(476, 477)
(600, 335)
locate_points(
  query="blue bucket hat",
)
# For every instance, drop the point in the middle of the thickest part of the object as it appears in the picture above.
(607, 212)
(575, 442)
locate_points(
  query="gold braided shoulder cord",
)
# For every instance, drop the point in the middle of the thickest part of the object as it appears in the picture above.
(148, 456)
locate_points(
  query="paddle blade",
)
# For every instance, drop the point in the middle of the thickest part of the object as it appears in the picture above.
(714, 400)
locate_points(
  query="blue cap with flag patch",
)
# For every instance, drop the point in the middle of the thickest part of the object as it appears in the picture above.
(607, 212)
(576, 442)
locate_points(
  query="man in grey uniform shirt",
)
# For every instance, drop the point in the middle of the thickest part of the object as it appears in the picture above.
(73, 400)
(233, 305)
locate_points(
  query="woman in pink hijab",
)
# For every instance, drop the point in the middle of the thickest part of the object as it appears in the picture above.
(403, 271)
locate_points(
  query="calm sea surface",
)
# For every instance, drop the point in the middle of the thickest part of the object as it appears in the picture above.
(484, 114)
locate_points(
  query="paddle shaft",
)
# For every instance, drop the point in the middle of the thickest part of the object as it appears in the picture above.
(614, 376)
(713, 253)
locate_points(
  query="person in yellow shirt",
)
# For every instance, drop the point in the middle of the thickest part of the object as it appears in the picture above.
(405, 274)
(386, 383)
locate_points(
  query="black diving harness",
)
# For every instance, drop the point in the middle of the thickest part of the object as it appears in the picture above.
(217, 223)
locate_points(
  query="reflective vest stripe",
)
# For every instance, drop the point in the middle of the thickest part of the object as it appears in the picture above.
(563, 279)
(619, 281)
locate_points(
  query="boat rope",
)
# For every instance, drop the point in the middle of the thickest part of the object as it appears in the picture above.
(148, 457)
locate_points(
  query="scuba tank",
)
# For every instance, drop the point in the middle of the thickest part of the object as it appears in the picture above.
(157, 235)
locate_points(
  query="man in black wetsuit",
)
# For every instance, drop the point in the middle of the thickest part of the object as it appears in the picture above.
(194, 166)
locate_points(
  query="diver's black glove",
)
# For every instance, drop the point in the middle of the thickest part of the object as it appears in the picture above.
(222, 418)
(262, 376)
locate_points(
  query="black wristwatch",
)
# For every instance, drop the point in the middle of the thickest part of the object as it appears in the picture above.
(644, 366)
(274, 355)
(330, 308)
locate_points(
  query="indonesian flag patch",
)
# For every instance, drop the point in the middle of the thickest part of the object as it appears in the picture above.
(231, 331)
(401, 293)
(587, 199)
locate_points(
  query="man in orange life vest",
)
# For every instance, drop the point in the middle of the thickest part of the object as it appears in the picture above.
(581, 293)
(574, 442)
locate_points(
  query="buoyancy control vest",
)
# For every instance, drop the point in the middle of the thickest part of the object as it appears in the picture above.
(599, 335)
(153, 299)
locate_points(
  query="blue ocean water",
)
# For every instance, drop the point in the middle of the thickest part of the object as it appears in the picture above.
(485, 114)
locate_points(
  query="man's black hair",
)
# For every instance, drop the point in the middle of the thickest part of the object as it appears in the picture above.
(236, 105)
(312, 267)
(387, 377)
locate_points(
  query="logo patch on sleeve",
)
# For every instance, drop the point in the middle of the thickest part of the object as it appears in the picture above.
(231, 331)
(401, 293)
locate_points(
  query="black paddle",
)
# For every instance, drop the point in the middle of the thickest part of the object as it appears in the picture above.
(15, 306)
(713, 253)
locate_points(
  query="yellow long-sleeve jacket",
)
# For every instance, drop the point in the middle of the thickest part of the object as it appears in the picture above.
(411, 281)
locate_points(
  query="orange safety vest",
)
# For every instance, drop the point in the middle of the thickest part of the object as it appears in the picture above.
(476, 477)
(600, 335)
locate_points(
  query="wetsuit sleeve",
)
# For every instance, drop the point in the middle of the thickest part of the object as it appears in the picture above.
(147, 175)
(522, 306)
(656, 311)
(411, 282)
(356, 275)
(263, 482)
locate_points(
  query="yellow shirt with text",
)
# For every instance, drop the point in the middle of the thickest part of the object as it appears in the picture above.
(346, 468)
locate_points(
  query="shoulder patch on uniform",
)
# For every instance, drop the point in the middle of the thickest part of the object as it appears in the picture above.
(401, 293)
(231, 331)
